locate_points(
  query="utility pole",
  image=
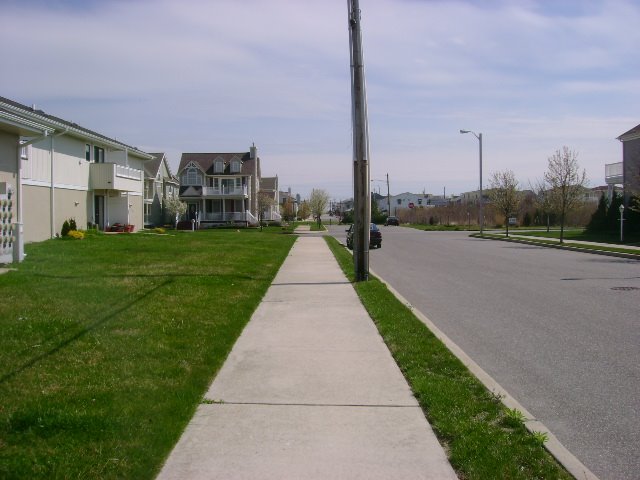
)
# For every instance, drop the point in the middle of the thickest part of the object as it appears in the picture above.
(361, 194)
(388, 197)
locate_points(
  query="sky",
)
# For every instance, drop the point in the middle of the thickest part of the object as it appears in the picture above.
(218, 75)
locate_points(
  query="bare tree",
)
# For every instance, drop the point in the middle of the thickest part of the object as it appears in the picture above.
(566, 183)
(265, 202)
(542, 199)
(175, 208)
(504, 194)
(318, 202)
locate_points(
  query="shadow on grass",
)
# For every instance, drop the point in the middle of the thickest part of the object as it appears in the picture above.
(81, 333)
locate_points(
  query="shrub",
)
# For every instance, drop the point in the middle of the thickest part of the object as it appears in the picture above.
(65, 229)
(159, 230)
(72, 224)
(77, 234)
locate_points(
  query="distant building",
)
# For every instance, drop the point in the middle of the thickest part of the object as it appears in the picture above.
(269, 187)
(159, 184)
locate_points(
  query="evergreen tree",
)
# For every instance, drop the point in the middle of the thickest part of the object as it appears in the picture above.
(598, 222)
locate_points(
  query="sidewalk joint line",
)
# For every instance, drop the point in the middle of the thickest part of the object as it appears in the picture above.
(284, 404)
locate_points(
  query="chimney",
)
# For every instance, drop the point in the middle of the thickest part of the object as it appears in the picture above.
(253, 151)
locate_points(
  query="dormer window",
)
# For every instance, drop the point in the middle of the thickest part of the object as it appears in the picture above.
(218, 166)
(235, 166)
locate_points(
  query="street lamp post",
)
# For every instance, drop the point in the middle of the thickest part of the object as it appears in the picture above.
(621, 223)
(479, 137)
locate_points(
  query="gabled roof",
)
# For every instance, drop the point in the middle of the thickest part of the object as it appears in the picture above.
(631, 134)
(9, 108)
(152, 166)
(206, 162)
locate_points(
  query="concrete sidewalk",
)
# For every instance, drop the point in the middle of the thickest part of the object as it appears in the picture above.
(309, 391)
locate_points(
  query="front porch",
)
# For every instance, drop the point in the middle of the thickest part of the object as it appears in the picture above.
(214, 212)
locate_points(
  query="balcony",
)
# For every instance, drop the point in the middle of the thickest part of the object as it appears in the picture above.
(111, 176)
(613, 173)
(225, 191)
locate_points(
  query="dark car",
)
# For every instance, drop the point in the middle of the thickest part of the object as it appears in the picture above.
(392, 221)
(375, 237)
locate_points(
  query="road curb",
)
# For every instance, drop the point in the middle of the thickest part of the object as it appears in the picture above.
(629, 256)
(574, 466)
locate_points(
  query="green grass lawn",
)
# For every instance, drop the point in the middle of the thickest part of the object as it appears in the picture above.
(483, 439)
(109, 343)
(584, 236)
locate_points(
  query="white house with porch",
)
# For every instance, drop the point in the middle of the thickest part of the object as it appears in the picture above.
(220, 188)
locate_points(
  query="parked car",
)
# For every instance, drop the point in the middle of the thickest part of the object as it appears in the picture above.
(392, 221)
(375, 236)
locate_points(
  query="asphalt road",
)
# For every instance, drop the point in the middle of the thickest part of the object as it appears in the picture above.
(560, 331)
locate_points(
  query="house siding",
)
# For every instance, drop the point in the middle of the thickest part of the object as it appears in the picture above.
(631, 168)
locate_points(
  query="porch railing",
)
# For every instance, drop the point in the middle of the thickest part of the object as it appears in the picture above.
(224, 191)
(613, 173)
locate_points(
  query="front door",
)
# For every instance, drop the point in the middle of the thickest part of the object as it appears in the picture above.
(98, 213)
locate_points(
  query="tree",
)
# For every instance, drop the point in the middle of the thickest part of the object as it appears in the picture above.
(304, 210)
(318, 202)
(265, 201)
(504, 194)
(598, 222)
(175, 208)
(566, 183)
(286, 210)
(376, 215)
(542, 200)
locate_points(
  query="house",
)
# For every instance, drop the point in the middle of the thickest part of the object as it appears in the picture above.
(220, 188)
(411, 200)
(159, 183)
(630, 163)
(67, 171)
(271, 209)
(289, 203)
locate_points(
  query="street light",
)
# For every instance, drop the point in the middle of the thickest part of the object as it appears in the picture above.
(621, 221)
(479, 137)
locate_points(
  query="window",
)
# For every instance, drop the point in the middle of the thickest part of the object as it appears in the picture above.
(98, 154)
(24, 152)
(87, 152)
(399, 201)
(218, 166)
(235, 166)
(192, 177)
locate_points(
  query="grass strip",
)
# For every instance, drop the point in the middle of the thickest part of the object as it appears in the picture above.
(573, 245)
(109, 343)
(582, 235)
(482, 438)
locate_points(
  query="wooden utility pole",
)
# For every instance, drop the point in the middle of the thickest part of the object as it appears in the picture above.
(388, 197)
(361, 195)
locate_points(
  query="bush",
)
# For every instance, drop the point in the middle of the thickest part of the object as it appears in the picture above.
(66, 228)
(159, 230)
(78, 235)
